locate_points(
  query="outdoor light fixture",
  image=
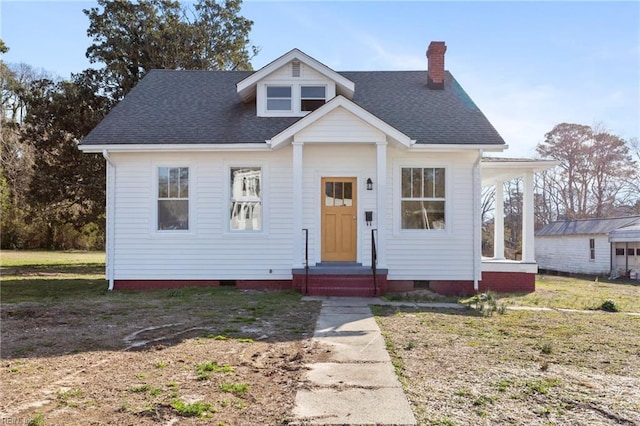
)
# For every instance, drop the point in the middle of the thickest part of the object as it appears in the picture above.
(369, 184)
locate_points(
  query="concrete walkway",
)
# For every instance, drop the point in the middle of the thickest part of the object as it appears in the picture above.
(357, 384)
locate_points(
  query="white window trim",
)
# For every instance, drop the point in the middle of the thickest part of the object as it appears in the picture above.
(311, 98)
(279, 111)
(296, 92)
(397, 200)
(154, 200)
(264, 197)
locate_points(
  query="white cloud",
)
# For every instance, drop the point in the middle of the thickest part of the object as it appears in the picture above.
(388, 57)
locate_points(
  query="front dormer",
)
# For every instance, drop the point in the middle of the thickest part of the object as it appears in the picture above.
(293, 90)
(293, 86)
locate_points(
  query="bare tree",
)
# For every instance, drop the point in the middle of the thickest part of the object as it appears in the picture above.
(513, 197)
(487, 208)
(594, 175)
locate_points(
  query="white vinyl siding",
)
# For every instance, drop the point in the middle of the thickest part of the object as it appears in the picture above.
(443, 255)
(211, 250)
(208, 250)
(572, 253)
(338, 161)
(341, 126)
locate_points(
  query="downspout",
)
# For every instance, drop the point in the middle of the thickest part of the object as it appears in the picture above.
(477, 226)
(110, 222)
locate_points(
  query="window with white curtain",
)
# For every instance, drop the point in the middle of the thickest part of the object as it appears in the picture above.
(246, 199)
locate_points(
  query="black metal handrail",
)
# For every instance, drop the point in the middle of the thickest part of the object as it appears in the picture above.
(306, 260)
(374, 261)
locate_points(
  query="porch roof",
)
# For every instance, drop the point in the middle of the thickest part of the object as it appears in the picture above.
(626, 234)
(497, 169)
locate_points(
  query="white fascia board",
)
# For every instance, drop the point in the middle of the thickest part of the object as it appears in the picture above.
(456, 147)
(246, 87)
(175, 147)
(340, 101)
(531, 165)
(495, 172)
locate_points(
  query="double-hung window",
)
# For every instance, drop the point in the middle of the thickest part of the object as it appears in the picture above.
(312, 97)
(278, 98)
(592, 248)
(422, 200)
(173, 198)
(246, 199)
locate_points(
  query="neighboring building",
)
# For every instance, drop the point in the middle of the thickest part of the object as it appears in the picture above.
(245, 178)
(591, 246)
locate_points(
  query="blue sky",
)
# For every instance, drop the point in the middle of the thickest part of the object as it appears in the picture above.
(527, 65)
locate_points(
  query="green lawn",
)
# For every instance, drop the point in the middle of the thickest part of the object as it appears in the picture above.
(40, 276)
(10, 258)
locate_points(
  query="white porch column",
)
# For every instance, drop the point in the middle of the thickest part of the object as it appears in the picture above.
(298, 235)
(498, 223)
(528, 254)
(381, 206)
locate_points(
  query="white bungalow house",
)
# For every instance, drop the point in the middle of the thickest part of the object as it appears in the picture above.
(609, 246)
(298, 176)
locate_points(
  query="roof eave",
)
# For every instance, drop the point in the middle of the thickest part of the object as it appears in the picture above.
(445, 147)
(168, 147)
(246, 88)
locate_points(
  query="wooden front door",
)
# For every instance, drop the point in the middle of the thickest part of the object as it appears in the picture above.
(339, 219)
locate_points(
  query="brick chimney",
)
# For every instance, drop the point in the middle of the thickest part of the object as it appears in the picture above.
(435, 64)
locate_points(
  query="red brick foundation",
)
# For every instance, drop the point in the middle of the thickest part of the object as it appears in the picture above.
(264, 284)
(508, 282)
(399, 286)
(500, 282)
(353, 285)
(452, 288)
(161, 284)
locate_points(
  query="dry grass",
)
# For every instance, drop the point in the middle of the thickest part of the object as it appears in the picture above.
(578, 293)
(74, 353)
(524, 367)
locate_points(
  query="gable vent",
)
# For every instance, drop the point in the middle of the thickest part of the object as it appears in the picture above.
(295, 69)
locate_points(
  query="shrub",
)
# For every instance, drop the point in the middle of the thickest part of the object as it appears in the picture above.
(609, 306)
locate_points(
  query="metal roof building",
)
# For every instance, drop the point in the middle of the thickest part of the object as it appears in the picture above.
(608, 246)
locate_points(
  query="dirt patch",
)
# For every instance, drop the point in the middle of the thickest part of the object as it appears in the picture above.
(181, 356)
(534, 368)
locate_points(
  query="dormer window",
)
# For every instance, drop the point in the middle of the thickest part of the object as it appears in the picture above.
(312, 97)
(279, 98)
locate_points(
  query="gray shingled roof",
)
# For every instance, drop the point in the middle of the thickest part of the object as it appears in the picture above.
(202, 107)
(586, 226)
